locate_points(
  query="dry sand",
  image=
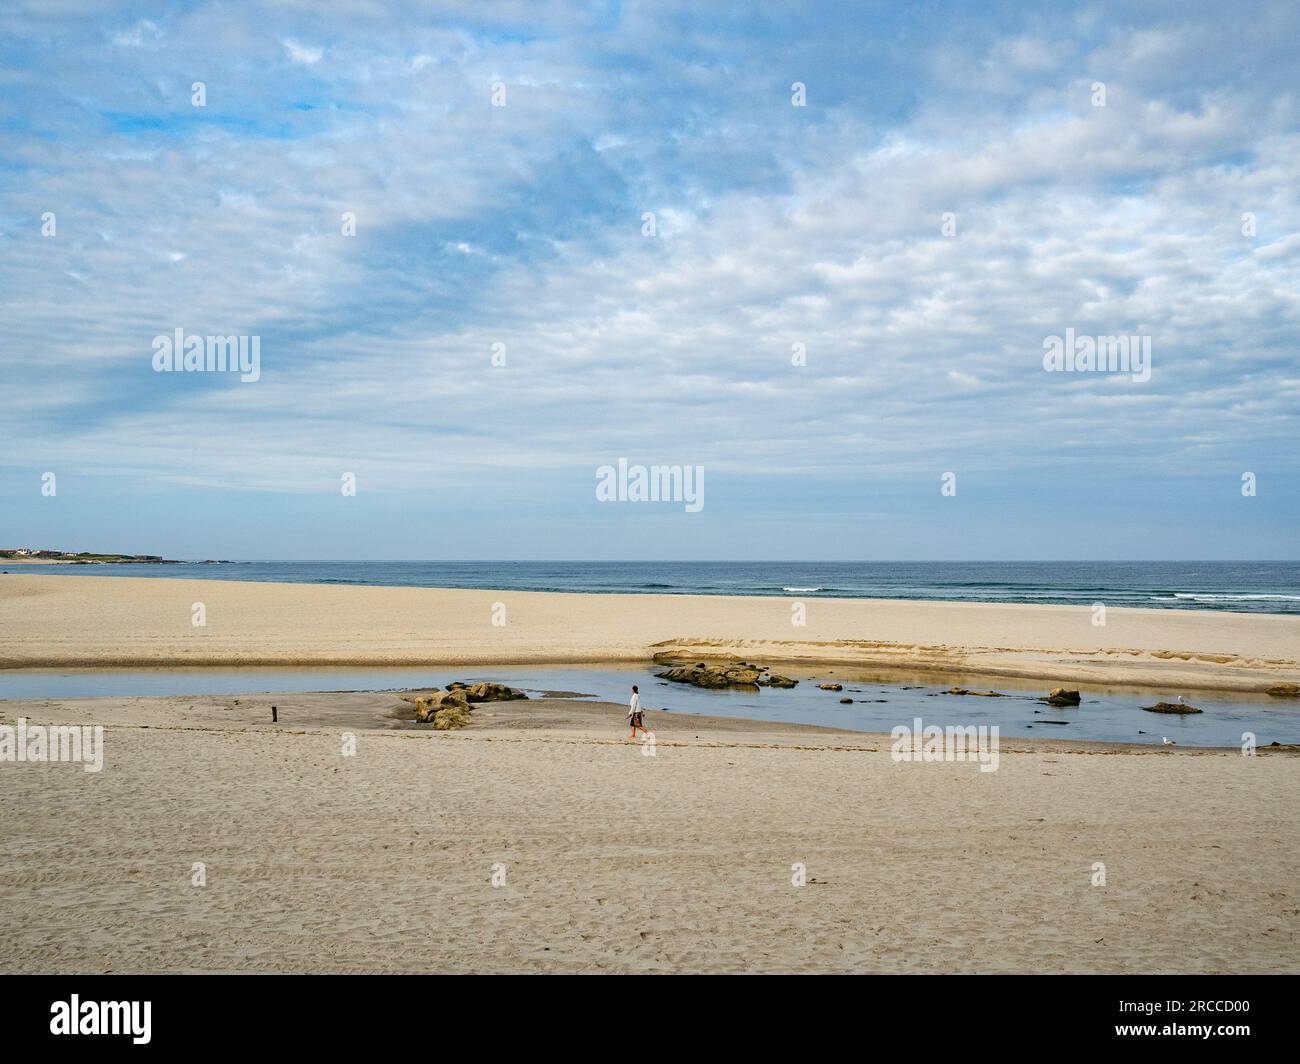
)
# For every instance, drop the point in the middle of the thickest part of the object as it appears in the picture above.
(98, 621)
(619, 862)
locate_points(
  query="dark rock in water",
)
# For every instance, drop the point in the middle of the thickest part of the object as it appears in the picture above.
(846, 701)
(1059, 696)
(1051, 722)
(1171, 707)
(1284, 690)
(738, 674)
(830, 687)
(978, 694)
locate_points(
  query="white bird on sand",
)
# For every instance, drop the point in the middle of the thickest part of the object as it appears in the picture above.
(1168, 741)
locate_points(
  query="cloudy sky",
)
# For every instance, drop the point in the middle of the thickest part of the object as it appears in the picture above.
(1173, 211)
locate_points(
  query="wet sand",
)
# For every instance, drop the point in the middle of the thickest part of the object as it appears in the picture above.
(57, 621)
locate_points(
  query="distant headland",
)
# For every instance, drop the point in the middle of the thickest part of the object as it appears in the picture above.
(30, 556)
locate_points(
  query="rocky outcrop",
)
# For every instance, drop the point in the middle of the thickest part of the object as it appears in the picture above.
(977, 694)
(451, 708)
(487, 692)
(830, 687)
(1284, 690)
(1059, 696)
(1172, 707)
(736, 674)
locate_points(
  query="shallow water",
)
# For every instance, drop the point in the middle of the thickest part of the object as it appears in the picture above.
(1110, 715)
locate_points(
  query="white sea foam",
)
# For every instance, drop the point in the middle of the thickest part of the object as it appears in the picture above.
(1207, 597)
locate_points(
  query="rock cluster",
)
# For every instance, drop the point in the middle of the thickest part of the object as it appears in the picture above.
(451, 708)
(736, 674)
(1059, 696)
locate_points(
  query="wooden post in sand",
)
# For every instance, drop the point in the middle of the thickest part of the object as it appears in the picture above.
(274, 717)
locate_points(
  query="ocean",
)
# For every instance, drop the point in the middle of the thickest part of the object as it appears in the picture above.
(1240, 587)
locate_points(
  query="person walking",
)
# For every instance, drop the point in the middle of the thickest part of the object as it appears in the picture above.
(634, 715)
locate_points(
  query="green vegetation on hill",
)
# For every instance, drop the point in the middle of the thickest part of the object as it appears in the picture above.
(13, 554)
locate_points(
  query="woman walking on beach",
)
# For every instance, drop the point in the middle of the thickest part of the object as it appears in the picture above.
(634, 716)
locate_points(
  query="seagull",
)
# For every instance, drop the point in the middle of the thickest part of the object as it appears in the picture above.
(1168, 741)
(1180, 700)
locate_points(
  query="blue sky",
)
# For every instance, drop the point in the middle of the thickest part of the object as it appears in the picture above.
(775, 225)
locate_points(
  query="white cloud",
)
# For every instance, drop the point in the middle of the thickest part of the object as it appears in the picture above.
(301, 53)
(376, 348)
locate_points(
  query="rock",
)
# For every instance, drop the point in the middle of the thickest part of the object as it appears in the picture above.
(977, 694)
(830, 687)
(453, 716)
(493, 692)
(736, 674)
(451, 708)
(710, 676)
(1284, 690)
(1172, 707)
(427, 707)
(846, 701)
(1059, 696)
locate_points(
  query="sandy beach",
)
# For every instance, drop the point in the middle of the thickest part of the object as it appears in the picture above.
(614, 861)
(101, 621)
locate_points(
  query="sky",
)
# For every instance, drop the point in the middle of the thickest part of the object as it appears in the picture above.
(814, 249)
